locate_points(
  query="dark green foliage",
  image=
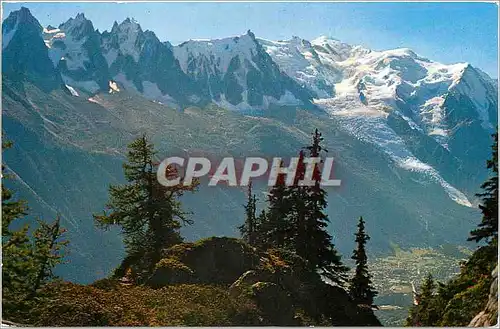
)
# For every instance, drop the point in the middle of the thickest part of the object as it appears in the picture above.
(250, 227)
(360, 285)
(48, 251)
(27, 260)
(313, 242)
(427, 312)
(488, 228)
(148, 213)
(296, 219)
(458, 301)
(276, 228)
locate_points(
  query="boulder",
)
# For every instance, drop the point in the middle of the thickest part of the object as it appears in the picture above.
(245, 281)
(170, 271)
(216, 260)
(275, 303)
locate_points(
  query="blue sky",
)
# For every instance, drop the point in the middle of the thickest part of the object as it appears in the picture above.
(445, 32)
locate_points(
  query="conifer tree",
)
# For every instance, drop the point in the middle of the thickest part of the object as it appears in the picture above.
(249, 228)
(278, 227)
(148, 213)
(488, 228)
(296, 219)
(360, 285)
(262, 240)
(426, 313)
(313, 242)
(17, 265)
(16, 246)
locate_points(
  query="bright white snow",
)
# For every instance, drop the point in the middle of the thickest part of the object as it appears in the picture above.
(113, 87)
(215, 55)
(72, 91)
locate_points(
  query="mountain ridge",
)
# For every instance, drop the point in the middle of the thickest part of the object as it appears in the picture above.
(404, 130)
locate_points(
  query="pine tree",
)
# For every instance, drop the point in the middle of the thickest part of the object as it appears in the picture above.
(301, 225)
(262, 240)
(278, 227)
(313, 241)
(427, 311)
(488, 228)
(249, 228)
(148, 213)
(17, 265)
(11, 210)
(296, 220)
(360, 286)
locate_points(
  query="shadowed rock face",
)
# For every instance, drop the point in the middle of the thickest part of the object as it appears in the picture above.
(24, 54)
(489, 317)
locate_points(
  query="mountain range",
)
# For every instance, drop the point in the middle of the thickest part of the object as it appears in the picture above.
(410, 136)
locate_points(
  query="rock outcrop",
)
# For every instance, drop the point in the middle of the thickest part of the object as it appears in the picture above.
(216, 260)
(489, 316)
(284, 290)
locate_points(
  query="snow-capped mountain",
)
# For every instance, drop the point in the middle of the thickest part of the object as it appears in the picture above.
(411, 135)
(381, 82)
(74, 49)
(237, 73)
(245, 73)
(139, 61)
(369, 91)
(299, 59)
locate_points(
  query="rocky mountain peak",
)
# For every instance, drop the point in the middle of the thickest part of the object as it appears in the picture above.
(125, 38)
(24, 53)
(20, 20)
(78, 27)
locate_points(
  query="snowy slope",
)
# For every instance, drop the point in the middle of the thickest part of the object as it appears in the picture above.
(237, 73)
(380, 78)
(361, 89)
(214, 56)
